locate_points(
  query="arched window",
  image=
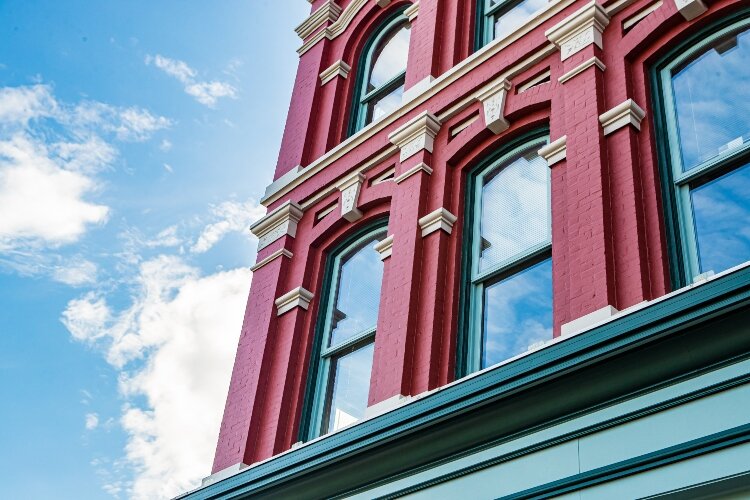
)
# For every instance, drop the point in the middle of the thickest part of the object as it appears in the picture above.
(706, 154)
(509, 266)
(499, 18)
(345, 340)
(382, 73)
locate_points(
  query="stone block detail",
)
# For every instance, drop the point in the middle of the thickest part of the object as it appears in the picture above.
(580, 30)
(493, 103)
(416, 135)
(350, 189)
(299, 297)
(437, 220)
(277, 224)
(622, 115)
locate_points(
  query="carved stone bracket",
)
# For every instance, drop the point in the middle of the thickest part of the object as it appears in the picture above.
(580, 30)
(690, 9)
(350, 188)
(278, 223)
(493, 102)
(437, 220)
(622, 115)
(555, 151)
(416, 135)
(299, 297)
(385, 247)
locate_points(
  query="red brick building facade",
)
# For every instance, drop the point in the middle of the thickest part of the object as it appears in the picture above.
(579, 77)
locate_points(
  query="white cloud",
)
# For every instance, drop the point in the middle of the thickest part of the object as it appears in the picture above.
(205, 92)
(130, 124)
(21, 104)
(166, 145)
(232, 217)
(76, 273)
(92, 421)
(174, 348)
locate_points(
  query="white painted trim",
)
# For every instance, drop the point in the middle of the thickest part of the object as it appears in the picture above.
(493, 103)
(285, 180)
(584, 322)
(421, 167)
(386, 405)
(278, 223)
(416, 135)
(337, 27)
(299, 297)
(690, 9)
(555, 151)
(275, 255)
(384, 247)
(339, 68)
(641, 15)
(594, 61)
(533, 82)
(327, 12)
(350, 188)
(223, 474)
(412, 11)
(437, 220)
(622, 115)
(579, 30)
(417, 89)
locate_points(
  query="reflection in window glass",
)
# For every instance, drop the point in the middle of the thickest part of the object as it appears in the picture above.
(507, 21)
(385, 104)
(518, 314)
(358, 293)
(712, 100)
(515, 215)
(721, 212)
(390, 58)
(350, 386)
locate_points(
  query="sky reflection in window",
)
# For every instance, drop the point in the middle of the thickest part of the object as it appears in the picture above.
(390, 60)
(350, 387)
(508, 21)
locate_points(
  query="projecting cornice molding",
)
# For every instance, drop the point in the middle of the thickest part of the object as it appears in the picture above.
(276, 224)
(690, 9)
(282, 252)
(412, 11)
(299, 297)
(556, 151)
(416, 135)
(493, 102)
(421, 167)
(350, 188)
(385, 247)
(437, 220)
(622, 115)
(337, 27)
(580, 30)
(329, 12)
(594, 61)
(339, 68)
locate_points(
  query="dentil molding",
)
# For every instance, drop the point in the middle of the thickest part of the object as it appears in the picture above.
(278, 223)
(493, 102)
(583, 28)
(416, 135)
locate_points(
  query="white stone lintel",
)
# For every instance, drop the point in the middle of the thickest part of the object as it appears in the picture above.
(493, 102)
(386, 405)
(437, 220)
(299, 297)
(587, 321)
(223, 474)
(278, 223)
(690, 9)
(328, 12)
(421, 167)
(622, 115)
(594, 61)
(581, 29)
(350, 188)
(282, 252)
(412, 11)
(385, 247)
(339, 68)
(416, 135)
(555, 151)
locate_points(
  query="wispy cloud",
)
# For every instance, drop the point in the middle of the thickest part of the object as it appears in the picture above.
(92, 421)
(232, 216)
(78, 272)
(207, 93)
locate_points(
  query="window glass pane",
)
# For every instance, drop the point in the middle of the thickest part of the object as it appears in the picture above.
(355, 305)
(721, 210)
(712, 100)
(507, 21)
(390, 57)
(515, 209)
(349, 388)
(384, 105)
(517, 314)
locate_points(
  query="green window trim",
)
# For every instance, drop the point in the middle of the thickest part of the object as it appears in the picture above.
(358, 117)
(470, 331)
(317, 386)
(677, 184)
(486, 15)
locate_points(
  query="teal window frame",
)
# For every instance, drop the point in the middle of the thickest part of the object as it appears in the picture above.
(470, 332)
(318, 379)
(485, 21)
(362, 98)
(676, 184)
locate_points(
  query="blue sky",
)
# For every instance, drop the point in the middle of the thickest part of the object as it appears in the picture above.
(135, 140)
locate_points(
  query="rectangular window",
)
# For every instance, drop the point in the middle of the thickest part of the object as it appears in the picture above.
(499, 18)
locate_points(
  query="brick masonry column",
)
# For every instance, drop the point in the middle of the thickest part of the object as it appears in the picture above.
(424, 46)
(587, 279)
(397, 319)
(272, 315)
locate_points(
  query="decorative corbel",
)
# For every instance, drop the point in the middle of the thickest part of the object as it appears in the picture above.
(350, 188)
(278, 223)
(493, 102)
(299, 297)
(622, 115)
(339, 68)
(578, 31)
(416, 135)
(555, 151)
(384, 247)
(437, 220)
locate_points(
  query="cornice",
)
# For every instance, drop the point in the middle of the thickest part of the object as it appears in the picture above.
(299, 297)
(421, 167)
(622, 115)
(594, 61)
(437, 220)
(416, 134)
(278, 223)
(555, 151)
(339, 68)
(579, 30)
(337, 27)
(282, 252)
(329, 12)
(384, 247)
